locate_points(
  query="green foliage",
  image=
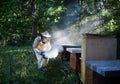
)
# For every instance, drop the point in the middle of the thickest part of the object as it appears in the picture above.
(16, 19)
(18, 66)
(49, 13)
(59, 73)
(15, 23)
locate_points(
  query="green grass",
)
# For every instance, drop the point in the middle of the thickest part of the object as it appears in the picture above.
(18, 66)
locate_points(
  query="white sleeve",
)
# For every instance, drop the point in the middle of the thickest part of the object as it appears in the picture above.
(36, 40)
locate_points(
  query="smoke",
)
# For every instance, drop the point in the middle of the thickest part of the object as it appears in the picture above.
(70, 30)
(67, 32)
(55, 50)
(66, 37)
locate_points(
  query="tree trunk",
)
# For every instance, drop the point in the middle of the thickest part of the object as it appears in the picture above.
(34, 19)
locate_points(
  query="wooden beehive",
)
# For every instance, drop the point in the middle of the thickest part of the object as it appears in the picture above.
(96, 47)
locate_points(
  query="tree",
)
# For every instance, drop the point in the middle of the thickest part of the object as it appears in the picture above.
(26, 14)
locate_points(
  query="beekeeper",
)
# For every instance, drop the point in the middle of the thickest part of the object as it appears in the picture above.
(41, 45)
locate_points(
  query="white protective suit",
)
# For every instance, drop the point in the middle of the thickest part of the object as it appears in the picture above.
(42, 61)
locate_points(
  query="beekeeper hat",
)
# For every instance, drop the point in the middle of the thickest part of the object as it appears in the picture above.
(45, 34)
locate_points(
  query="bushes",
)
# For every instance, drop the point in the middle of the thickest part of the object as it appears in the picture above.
(18, 65)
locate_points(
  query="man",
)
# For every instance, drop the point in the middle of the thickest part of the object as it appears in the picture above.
(41, 45)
